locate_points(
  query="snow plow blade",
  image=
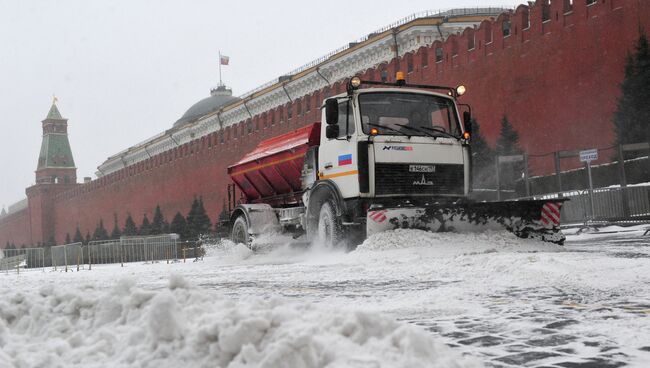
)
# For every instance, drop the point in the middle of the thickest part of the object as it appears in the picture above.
(536, 219)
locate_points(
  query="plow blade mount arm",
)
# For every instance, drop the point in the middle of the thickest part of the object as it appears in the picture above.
(537, 219)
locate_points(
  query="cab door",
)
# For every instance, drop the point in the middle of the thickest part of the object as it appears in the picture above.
(338, 159)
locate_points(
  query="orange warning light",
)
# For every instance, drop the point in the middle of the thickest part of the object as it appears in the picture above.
(374, 131)
(466, 136)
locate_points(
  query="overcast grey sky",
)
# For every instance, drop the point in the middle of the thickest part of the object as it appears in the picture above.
(124, 71)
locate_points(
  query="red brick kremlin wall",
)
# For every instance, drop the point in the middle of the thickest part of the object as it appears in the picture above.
(557, 80)
(14, 228)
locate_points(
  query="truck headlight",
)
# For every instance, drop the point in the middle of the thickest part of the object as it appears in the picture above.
(355, 82)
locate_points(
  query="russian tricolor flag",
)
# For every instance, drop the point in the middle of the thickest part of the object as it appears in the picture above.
(345, 159)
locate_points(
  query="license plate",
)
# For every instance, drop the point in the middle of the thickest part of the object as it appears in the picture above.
(422, 168)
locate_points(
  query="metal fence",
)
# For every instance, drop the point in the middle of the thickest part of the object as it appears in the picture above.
(104, 252)
(628, 204)
(25, 259)
(133, 249)
(150, 249)
(65, 256)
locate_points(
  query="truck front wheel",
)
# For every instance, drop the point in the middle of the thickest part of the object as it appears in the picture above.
(330, 229)
(239, 232)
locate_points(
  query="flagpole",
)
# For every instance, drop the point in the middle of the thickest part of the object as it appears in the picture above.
(220, 82)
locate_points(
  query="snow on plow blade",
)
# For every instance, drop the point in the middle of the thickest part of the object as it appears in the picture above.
(537, 219)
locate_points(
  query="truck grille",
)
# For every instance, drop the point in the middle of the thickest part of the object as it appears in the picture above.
(391, 178)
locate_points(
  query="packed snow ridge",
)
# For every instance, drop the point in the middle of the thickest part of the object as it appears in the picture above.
(180, 324)
(472, 242)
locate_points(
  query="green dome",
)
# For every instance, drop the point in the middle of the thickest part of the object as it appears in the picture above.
(219, 97)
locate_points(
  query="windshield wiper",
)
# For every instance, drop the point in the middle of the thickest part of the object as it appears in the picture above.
(389, 128)
(444, 133)
(417, 130)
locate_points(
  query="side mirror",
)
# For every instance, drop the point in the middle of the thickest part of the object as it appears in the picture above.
(332, 131)
(467, 119)
(331, 112)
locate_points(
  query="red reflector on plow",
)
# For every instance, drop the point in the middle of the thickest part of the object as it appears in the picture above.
(377, 216)
(551, 214)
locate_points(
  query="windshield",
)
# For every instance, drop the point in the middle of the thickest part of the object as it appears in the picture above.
(408, 114)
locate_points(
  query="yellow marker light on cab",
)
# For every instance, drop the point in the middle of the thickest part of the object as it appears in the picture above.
(399, 76)
(466, 136)
(374, 131)
(355, 82)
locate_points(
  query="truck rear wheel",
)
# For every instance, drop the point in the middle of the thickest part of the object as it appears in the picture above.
(239, 232)
(330, 229)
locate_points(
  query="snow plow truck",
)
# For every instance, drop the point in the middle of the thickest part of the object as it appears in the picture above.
(387, 156)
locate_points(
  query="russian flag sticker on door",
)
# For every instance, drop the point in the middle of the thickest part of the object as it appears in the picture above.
(345, 159)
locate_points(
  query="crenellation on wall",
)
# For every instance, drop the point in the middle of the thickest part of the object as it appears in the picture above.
(556, 10)
(535, 18)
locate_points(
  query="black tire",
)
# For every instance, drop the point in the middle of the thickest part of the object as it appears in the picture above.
(330, 230)
(239, 233)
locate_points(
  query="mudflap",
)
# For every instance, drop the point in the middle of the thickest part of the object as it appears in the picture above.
(536, 219)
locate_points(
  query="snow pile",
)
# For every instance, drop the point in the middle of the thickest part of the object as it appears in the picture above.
(228, 250)
(453, 243)
(185, 326)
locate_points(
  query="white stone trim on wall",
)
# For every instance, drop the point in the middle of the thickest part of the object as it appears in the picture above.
(357, 61)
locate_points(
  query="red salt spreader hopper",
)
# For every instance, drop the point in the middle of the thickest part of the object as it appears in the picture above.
(272, 172)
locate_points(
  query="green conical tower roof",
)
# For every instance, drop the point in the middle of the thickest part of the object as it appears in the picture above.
(55, 147)
(54, 112)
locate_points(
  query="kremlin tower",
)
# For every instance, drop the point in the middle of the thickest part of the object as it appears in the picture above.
(55, 162)
(55, 173)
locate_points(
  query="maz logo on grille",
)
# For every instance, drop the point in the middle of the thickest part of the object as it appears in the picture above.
(423, 181)
(397, 148)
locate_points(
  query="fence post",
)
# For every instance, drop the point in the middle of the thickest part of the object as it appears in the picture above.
(65, 256)
(583, 200)
(591, 191)
(90, 258)
(496, 162)
(648, 164)
(526, 175)
(623, 177)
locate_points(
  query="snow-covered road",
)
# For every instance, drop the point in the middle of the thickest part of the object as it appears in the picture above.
(491, 296)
